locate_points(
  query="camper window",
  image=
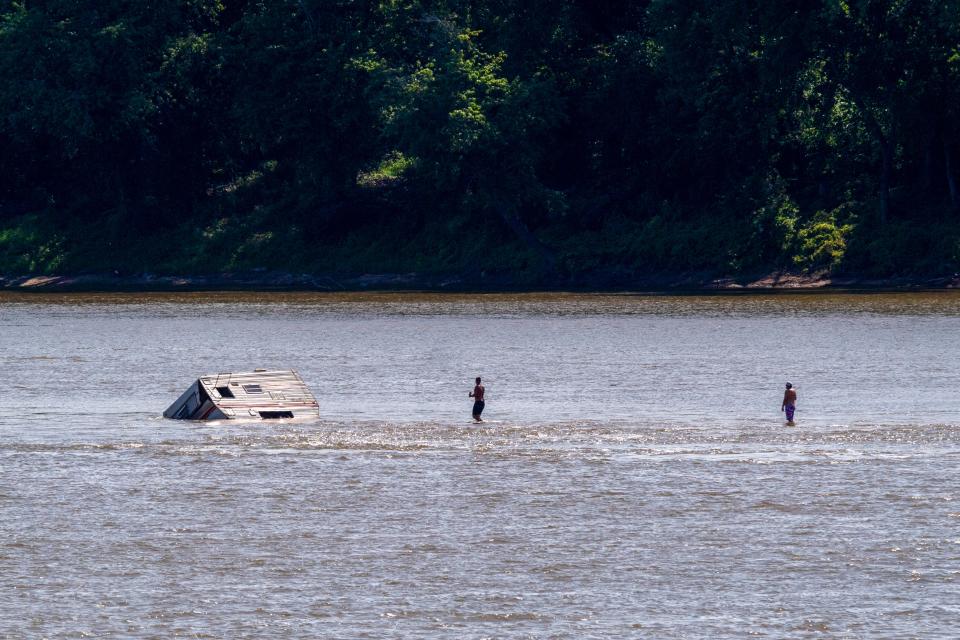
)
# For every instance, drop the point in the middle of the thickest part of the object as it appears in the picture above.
(225, 392)
(274, 415)
(252, 388)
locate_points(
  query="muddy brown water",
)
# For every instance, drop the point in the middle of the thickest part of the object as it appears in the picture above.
(634, 478)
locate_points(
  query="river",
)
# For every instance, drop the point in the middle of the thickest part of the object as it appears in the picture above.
(634, 477)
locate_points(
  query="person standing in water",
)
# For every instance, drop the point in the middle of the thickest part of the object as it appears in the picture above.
(478, 403)
(789, 402)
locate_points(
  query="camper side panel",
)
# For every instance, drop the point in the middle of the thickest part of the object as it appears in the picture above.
(186, 405)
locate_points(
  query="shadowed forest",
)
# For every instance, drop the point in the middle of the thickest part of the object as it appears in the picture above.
(541, 140)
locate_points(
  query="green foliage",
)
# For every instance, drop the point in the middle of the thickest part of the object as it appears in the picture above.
(821, 243)
(905, 249)
(27, 247)
(391, 168)
(540, 138)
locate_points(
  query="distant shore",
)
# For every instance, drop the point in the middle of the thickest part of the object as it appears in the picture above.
(283, 281)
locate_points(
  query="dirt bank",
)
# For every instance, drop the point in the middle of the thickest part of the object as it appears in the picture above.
(270, 280)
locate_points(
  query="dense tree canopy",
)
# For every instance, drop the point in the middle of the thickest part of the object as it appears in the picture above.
(540, 138)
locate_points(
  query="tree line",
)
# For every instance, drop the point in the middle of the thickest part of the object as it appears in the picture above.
(548, 138)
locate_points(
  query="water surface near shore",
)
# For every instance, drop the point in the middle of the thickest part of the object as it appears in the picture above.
(635, 478)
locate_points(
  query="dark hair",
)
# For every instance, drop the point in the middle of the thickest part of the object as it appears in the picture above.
(478, 379)
(789, 386)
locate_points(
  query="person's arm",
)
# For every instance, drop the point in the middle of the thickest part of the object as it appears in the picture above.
(470, 395)
(783, 404)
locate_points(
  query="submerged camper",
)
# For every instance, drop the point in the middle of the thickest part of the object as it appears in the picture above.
(230, 396)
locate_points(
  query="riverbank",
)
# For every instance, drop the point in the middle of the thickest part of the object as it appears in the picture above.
(283, 281)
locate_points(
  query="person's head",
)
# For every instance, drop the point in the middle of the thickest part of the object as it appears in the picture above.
(789, 386)
(478, 380)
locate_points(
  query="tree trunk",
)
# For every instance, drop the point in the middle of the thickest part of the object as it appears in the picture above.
(948, 170)
(928, 161)
(886, 151)
(886, 169)
(520, 229)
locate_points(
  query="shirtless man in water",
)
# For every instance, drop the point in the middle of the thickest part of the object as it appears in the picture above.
(789, 402)
(478, 404)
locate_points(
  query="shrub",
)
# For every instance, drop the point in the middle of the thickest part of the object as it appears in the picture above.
(821, 243)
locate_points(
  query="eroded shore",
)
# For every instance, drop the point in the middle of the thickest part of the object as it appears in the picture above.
(283, 281)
